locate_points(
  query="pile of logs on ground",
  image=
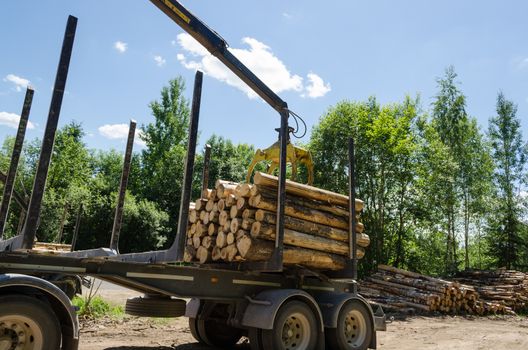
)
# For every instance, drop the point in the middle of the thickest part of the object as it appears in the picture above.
(509, 287)
(236, 222)
(404, 291)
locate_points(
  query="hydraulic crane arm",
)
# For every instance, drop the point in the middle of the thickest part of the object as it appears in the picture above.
(217, 46)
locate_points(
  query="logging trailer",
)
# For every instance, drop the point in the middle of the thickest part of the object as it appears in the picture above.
(275, 306)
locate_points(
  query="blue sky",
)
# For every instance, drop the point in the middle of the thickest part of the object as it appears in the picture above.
(316, 53)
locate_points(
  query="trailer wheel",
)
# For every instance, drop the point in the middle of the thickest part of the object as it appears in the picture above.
(354, 330)
(26, 323)
(193, 325)
(255, 339)
(295, 328)
(155, 307)
(218, 334)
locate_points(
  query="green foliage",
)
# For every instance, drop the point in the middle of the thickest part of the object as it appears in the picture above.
(96, 307)
(506, 231)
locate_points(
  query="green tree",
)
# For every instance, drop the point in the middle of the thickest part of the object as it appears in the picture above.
(163, 159)
(506, 229)
(384, 137)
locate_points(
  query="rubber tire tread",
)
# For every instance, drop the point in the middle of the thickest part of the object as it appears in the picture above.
(155, 307)
(37, 310)
(193, 326)
(218, 334)
(271, 339)
(335, 338)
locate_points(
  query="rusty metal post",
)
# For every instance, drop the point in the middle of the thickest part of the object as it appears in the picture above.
(118, 218)
(205, 173)
(33, 214)
(76, 229)
(179, 242)
(15, 157)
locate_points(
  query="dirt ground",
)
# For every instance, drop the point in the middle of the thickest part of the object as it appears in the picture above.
(425, 333)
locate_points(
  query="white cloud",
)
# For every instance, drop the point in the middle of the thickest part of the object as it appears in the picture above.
(287, 15)
(259, 58)
(173, 42)
(160, 61)
(316, 87)
(11, 120)
(119, 132)
(120, 46)
(19, 82)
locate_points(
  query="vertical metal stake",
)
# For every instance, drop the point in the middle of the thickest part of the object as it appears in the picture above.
(205, 173)
(352, 207)
(77, 225)
(281, 193)
(33, 214)
(179, 242)
(15, 157)
(118, 218)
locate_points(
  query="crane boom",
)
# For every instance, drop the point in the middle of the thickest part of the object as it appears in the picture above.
(217, 46)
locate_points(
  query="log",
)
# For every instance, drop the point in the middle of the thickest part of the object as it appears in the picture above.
(207, 241)
(249, 214)
(203, 214)
(241, 203)
(210, 205)
(197, 241)
(307, 226)
(236, 223)
(306, 191)
(203, 254)
(271, 194)
(295, 210)
(221, 239)
(216, 253)
(193, 216)
(189, 253)
(213, 216)
(201, 230)
(206, 193)
(221, 204)
(260, 250)
(230, 238)
(223, 217)
(243, 190)
(234, 212)
(199, 204)
(230, 252)
(212, 229)
(230, 200)
(225, 188)
(303, 240)
(247, 223)
(227, 226)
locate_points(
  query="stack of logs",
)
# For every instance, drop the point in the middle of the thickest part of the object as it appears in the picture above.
(404, 291)
(509, 287)
(236, 222)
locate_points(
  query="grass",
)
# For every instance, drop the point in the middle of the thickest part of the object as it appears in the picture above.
(96, 307)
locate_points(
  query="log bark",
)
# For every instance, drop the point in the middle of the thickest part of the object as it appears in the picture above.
(260, 250)
(307, 226)
(247, 223)
(295, 210)
(304, 240)
(305, 190)
(189, 253)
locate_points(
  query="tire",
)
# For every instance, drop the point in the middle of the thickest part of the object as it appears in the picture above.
(218, 334)
(295, 328)
(155, 307)
(354, 328)
(193, 326)
(29, 323)
(255, 339)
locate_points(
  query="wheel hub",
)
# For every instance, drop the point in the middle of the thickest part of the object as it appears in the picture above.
(354, 328)
(294, 332)
(17, 333)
